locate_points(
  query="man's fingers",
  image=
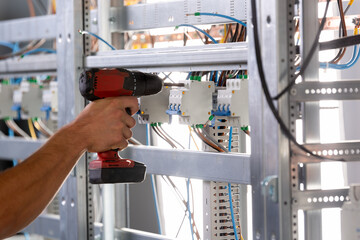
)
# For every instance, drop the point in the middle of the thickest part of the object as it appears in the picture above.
(127, 133)
(130, 122)
(124, 102)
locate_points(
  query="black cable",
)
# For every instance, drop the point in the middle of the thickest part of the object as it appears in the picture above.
(308, 57)
(340, 43)
(265, 87)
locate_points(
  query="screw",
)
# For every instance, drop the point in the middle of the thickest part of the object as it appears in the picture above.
(112, 20)
(293, 92)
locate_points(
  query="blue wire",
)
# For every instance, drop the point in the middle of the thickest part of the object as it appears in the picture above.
(26, 235)
(230, 195)
(156, 204)
(47, 50)
(355, 57)
(222, 16)
(230, 138)
(98, 37)
(188, 207)
(8, 44)
(153, 184)
(232, 212)
(198, 29)
(11, 135)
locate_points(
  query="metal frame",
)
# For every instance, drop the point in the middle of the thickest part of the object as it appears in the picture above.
(273, 217)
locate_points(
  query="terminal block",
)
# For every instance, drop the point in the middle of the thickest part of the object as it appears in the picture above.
(153, 108)
(233, 101)
(6, 101)
(193, 103)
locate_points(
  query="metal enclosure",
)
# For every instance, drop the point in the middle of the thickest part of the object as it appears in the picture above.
(274, 162)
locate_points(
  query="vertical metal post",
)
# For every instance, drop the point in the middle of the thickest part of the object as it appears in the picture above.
(104, 23)
(73, 194)
(266, 159)
(311, 119)
(109, 214)
(117, 38)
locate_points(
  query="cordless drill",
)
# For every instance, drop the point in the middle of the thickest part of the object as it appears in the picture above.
(101, 83)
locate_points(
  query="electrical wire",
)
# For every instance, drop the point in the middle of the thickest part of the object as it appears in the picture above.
(37, 50)
(12, 125)
(230, 138)
(217, 15)
(152, 180)
(163, 137)
(198, 29)
(208, 136)
(308, 57)
(232, 212)
(349, 64)
(43, 128)
(97, 36)
(342, 33)
(265, 88)
(188, 207)
(206, 141)
(192, 136)
(31, 129)
(168, 136)
(31, 8)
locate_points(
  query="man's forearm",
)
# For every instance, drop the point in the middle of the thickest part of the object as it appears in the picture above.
(27, 189)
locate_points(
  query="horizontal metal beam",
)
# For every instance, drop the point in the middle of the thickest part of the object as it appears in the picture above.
(318, 199)
(316, 91)
(29, 65)
(234, 168)
(46, 225)
(26, 29)
(222, 167)
(132, 234)
(170, 14)
(18, 148)
(348, 151)
(200, 58)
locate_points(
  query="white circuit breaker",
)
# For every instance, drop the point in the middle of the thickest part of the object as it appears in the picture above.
(350, 215)
(28, 98)
(233, 101)
(153, 108)
(6, 101)
(50, 98)
(193, 103)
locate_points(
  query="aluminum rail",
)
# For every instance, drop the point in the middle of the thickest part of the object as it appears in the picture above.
(29, 65)
(26, 29)
(234, 168)
(230, 167)
(200, 58)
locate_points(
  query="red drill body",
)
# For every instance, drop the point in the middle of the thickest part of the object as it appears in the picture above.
(101, 83)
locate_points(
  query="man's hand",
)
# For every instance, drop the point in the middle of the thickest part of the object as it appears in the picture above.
(104, 124)
(26, 189)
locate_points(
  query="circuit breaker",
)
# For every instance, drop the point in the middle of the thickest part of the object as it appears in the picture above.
(193, 103)
(153, 108)
(6, 95)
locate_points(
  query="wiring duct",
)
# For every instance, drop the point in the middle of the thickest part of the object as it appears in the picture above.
(265, 87)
